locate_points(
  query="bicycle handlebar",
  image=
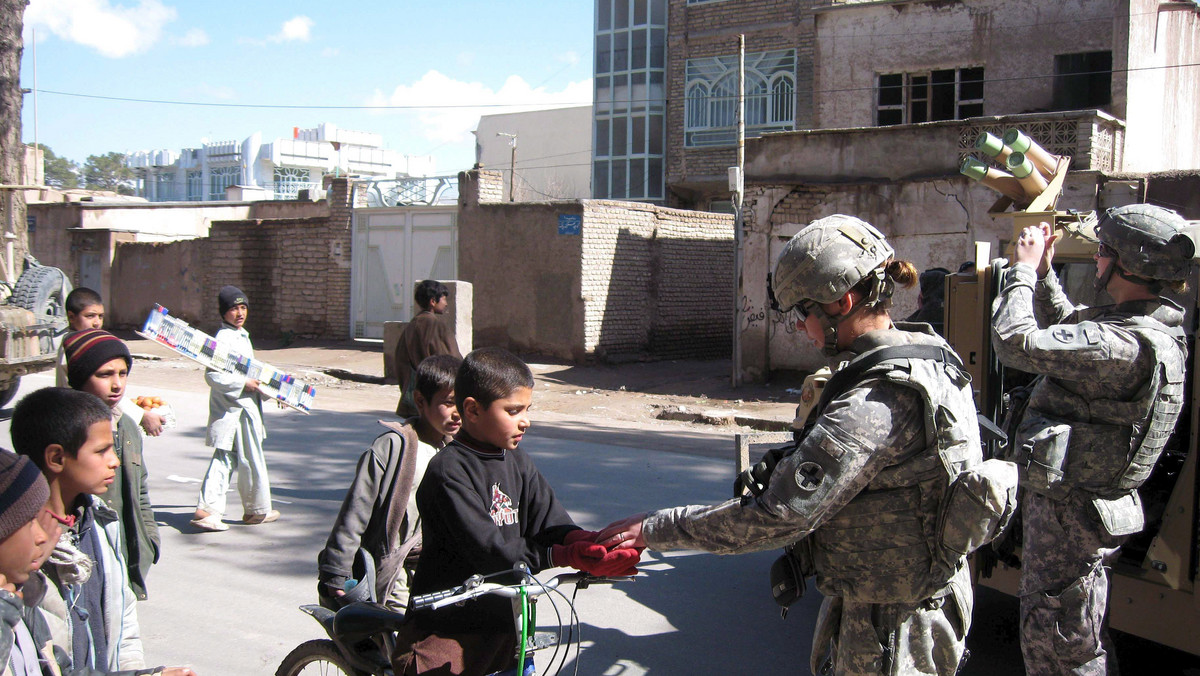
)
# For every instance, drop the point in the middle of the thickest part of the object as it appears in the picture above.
(475, 587)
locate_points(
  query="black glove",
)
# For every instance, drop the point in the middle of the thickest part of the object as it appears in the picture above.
(327, 587)
(757, 478)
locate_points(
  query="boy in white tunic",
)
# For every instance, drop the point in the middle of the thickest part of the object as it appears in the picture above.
(235, 429)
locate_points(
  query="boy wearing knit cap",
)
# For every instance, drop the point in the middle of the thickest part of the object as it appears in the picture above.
(235, 429)
(98, 363)
(23, 495)
(85, 310)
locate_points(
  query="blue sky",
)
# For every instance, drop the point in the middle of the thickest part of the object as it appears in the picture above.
(461, 55)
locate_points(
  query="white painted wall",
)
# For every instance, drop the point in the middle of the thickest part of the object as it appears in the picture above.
(554, 152)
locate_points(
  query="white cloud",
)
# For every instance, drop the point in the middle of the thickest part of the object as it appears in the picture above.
(454, 124)
(113, 30)
(195, 37)
(296, 29)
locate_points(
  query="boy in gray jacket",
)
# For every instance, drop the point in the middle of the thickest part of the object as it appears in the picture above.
(379, 514)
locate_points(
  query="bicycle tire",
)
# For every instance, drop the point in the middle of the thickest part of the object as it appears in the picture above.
(321, 651)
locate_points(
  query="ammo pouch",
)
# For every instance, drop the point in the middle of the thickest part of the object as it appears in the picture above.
(1015, 402)
(789, 572)
(979, 506)
(1041, 449)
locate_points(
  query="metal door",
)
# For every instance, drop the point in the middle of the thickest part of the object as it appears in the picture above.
(393, 248)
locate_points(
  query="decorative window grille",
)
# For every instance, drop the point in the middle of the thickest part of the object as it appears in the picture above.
(289, 181)
(164, 191)
(711, 105)
(220, 178)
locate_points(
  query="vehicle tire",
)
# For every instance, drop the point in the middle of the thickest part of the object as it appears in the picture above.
(42, 290)
(9, 391)
(319, 657)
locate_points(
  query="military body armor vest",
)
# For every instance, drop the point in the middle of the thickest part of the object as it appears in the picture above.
(1104, 447)
(883, 546)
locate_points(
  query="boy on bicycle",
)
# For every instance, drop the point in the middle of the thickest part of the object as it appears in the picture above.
(485, 507)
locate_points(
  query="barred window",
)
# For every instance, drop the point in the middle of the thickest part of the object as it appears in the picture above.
(220, 178)
(710, 109)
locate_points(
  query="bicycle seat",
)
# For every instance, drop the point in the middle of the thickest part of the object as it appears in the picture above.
(362, 620)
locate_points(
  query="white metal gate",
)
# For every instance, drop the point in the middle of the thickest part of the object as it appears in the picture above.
(393, 247)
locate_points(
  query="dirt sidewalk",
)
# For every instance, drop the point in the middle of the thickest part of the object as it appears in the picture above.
(696, 391)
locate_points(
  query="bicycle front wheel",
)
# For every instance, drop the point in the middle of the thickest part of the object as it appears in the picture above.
(319, 657)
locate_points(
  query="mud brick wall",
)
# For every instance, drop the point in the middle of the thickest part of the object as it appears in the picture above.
(656, 282)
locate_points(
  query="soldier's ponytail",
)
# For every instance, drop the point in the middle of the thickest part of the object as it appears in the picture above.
(902, 273)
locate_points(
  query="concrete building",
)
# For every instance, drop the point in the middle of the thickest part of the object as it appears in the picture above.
(276, 169)
(550, 149)
(902, 89)
(828, 64)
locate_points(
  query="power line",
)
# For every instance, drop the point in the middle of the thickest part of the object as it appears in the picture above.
(303, 106)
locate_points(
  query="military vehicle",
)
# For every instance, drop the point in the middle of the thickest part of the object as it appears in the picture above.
(33, 315)
(1154, 580)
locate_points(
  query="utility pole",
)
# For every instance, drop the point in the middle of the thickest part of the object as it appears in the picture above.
(737, 184)
(512, 164)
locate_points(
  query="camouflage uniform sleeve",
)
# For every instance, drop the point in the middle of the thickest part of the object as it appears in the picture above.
(868, 428)
(1051, 305)
(1081, 351)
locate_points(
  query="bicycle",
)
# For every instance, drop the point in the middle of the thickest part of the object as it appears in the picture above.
(362, 635)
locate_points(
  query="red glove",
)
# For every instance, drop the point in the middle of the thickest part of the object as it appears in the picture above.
(578, 535)
(594, 559)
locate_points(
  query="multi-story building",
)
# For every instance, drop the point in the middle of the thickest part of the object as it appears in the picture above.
(830, 64)
(277, 169)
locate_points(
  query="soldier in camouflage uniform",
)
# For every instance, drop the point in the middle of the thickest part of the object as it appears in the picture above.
(862, 489)
(1096, 420)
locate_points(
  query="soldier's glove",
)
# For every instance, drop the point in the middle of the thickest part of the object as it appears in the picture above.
(757, 478)
(594, 559)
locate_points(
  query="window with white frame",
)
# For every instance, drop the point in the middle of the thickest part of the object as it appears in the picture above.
(220, 178)
(195, 186)
(911, 98)
(164, 191)
(289, 181)
(710, 107)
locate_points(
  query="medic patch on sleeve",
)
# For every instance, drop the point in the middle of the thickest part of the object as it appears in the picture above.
(1068, 337)
(809, 476)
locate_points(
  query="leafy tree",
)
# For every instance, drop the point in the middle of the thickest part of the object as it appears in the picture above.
(108, 172)
(60, 171)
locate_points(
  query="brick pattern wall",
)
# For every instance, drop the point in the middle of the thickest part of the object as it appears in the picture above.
(655, 281)
(295, 271)
(705, 30)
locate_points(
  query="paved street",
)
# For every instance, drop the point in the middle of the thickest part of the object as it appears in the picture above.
(226, 603)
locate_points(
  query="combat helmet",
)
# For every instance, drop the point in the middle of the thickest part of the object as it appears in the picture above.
(826, 259)
(1152, 244)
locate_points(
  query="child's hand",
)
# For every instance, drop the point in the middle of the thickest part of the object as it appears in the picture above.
(580, 536)
(251, 385)
(593, 559)
(152, 423)
(177, 671)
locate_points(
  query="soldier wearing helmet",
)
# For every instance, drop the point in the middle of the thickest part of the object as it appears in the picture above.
(858, 498)
(1097, 419)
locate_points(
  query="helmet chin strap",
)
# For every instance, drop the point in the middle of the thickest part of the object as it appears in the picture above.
(1114, 268)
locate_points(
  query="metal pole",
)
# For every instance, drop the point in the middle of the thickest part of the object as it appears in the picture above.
(512, 165)
(738, 195)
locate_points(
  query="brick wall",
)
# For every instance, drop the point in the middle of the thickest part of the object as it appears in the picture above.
(295, 271)
(655, 281)
(634, 281)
